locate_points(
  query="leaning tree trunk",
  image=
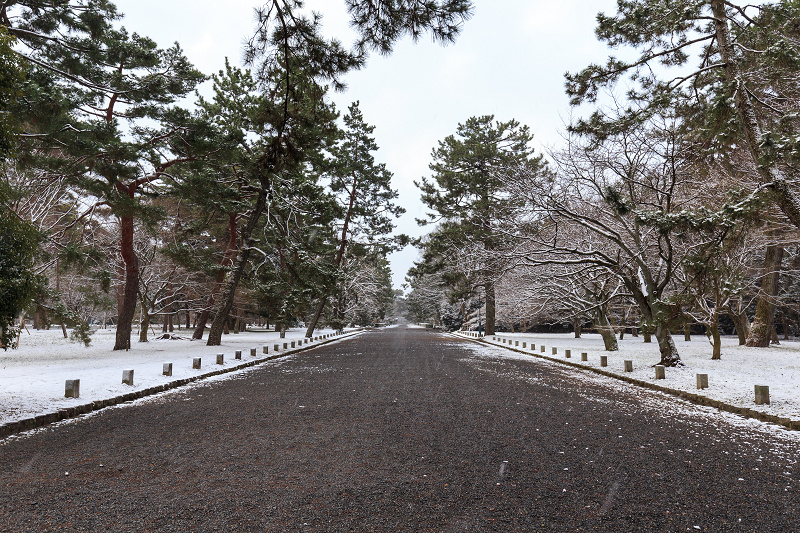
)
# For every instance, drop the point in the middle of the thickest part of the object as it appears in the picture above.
(669, 353)
(129, 296)
(602, 325)
(227, 260)
(229, 291)
(761, 330)
(786, 196)
(491, 309)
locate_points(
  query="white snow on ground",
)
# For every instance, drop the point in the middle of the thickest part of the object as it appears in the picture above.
(731, 379)
(32, 377)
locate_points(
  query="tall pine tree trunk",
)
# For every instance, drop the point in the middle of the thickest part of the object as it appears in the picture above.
(229, 291)
(761, 330)
(129, 295)
(786, 195)
(491, 309)
(227, 260)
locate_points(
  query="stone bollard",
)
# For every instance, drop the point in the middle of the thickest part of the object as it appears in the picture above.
(72, 388)
(277, 347)
(603, 360)
(167, 369)
(762, 394)
(524, 345)
(628, 366)
(220, 358)
(702, 381)
(196, 362)
(555, 351)
(238, 354)
(533, 347)
(660, 372)
(292, 344)
(584, 356)
(542, 347)
(568, 353)
(265, 349)
(285, 345)
(127, 377)
(252, 352)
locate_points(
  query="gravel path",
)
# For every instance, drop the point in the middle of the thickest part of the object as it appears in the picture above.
(403, 430)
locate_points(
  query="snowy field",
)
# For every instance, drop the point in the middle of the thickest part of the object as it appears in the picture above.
(731, 379)
(32, 377)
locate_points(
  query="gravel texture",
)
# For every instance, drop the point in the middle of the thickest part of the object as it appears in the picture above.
(402, 430)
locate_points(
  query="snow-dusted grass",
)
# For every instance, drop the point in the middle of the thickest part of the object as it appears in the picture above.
(731, 379)
(32, 377)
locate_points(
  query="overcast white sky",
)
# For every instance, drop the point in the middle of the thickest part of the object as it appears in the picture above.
(509, 61)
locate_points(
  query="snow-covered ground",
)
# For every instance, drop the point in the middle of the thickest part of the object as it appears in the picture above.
(731, 379)
(32, 377)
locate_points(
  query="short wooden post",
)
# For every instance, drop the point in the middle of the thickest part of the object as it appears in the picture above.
(702, 381)
(292, 344)
(72, 388)
(252, 352)
(196, 362)
(220, 358)
(603, 360)
(762, 394)
(660, 372)
(265, 349)
(167, 369)
(568, 354)
(238, 354)
(533, 347)
(524, 345)
(584, 356)
(277, 347)
(555, 351)
(516, 343)
(628, 366)
(542, 348)
(285, 345)
(127, 377)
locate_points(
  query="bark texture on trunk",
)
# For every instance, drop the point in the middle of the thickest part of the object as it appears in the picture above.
(761, 330)
(129, 295)
(669, 352)
(606, 330)
(227, 261)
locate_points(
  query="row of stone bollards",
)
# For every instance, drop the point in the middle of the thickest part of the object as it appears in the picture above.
(72, 387)
(761, 391)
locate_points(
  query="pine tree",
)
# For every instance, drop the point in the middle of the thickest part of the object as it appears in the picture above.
(363, 187)
(468, 192)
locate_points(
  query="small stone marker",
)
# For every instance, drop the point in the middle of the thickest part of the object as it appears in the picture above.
(628, 366)
(660, 372)
(277, 347)
(72, 388)
(167, 369)
(516, 343)
(238, 354)
(220, 358)
(524, 344)
(285, 345)
(762, 394)
(292, 344)
(603, 360)
(533, 347)
(542, 348)
(196, 362)
(253, 352)
(584, 356)
(265, 349)
(567, 353)
(127, 377)
(555, 351)
(702, 381)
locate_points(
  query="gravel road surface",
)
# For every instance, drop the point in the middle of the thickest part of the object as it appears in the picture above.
(403, 430)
